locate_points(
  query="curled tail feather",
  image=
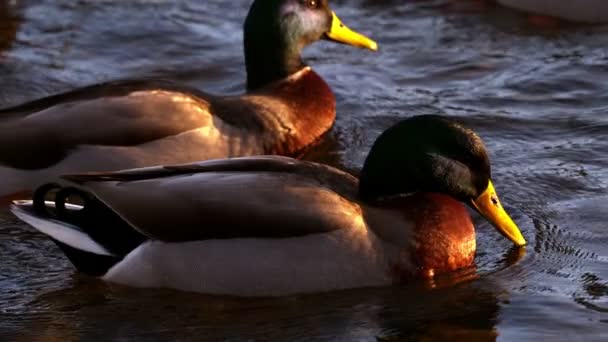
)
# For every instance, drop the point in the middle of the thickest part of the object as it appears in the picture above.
(90, 234)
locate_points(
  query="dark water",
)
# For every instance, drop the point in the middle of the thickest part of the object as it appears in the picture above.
(539, 98)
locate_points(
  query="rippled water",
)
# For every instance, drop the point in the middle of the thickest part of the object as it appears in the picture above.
(538, 96)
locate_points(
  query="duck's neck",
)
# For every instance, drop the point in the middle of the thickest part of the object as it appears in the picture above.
(268, 62)
(309, 113)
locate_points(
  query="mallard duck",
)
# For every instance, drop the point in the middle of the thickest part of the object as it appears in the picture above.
(271, 225)
(131, 124)
(585, 11)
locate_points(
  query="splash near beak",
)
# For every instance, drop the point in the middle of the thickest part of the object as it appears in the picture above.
(488, 205)
(342, 34)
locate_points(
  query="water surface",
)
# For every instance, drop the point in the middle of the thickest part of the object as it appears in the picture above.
(539, 98)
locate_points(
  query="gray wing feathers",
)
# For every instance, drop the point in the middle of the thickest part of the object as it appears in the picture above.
(221, 203)
(47, 136)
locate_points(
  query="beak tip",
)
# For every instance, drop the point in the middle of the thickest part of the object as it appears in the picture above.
(518, 241)
(373, 46)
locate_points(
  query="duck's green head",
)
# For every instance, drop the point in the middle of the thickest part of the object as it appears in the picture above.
(431, 153)
(276, 31)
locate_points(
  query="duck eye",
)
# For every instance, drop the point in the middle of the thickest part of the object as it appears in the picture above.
(311, 3)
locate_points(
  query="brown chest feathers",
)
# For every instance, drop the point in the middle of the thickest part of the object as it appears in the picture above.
(443, 235)
(309, 111)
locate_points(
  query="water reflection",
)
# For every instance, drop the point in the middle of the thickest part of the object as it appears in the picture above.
(92, 310)
(9, 24)
(468, 312)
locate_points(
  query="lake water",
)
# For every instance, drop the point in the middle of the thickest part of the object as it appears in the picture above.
(538, 96)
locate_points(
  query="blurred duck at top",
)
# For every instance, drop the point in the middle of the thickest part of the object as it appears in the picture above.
(545, 12)
(583, 11)
(137, 123)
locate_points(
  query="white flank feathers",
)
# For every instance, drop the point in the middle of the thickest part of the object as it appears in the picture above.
(260, 267)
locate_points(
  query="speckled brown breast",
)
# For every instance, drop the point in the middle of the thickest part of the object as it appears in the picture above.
(443, 236)
(312, 111)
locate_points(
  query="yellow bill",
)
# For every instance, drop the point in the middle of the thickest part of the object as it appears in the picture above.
(488, 205)
(342, 34)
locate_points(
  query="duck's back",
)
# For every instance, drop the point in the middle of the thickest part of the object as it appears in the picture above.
(124, 125)
(291, 226)
(110, 131)
(127, 119)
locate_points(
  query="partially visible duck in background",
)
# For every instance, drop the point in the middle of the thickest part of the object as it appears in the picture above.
(271, 226)
(583, 11)
(129, 124)
(9, 24)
